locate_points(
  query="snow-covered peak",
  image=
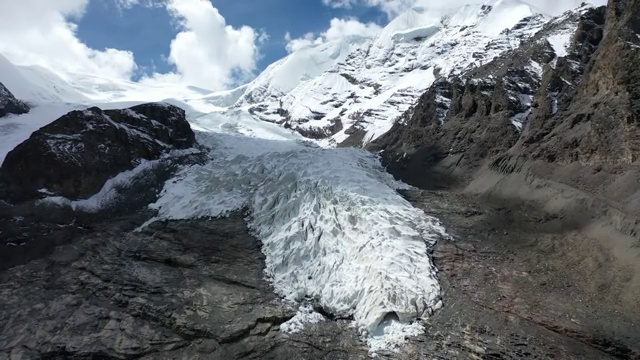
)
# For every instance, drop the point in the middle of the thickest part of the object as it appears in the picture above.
(364, 91)
(414, 23)
(301, 65)
(37, 85)
(505, 14)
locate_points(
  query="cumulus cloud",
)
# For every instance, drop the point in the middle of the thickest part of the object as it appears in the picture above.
(207, 52)
(338, 29)
(394, 7)
(36, 32)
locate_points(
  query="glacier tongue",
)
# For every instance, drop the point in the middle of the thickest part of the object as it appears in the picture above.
(333, 227)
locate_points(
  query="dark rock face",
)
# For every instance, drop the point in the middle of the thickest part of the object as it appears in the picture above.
(32, 230)
(9, 104)
(600, 122)
(75, 155)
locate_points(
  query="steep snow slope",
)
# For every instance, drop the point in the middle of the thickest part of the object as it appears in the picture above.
(361, 96)
(284, 75)
(38, 85)
(225, 98)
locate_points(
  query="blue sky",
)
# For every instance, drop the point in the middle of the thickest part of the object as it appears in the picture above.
(148, 31)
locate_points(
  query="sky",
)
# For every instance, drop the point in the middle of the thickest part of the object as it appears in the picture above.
(213, 44)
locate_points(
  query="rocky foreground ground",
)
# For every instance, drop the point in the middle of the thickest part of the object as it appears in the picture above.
(517, 282)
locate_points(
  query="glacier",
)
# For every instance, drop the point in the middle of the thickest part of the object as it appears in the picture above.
(334, 229)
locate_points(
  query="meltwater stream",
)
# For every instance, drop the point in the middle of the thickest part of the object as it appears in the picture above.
(334, 229)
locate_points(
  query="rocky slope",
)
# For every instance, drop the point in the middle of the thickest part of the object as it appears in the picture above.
(553, 125)
(462, 121)
(178, 290)
(9, 104)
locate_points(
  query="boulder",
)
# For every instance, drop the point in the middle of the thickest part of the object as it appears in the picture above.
(9, 104)
(75, 155)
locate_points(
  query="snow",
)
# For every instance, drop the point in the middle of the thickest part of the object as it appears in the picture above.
(283, 76)
(106, 196)
(560, 43)
(37, 85)
(305, 315)
(391, 335)
(17, 128)
(225, 98)
(373, 84)
(505, 15)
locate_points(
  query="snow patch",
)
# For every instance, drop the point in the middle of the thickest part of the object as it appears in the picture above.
(106, 196)
(391, 335)
(560, 43)
(306, 315)
(111, 191)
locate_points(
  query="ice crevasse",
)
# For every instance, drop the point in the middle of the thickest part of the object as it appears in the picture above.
(334, 229)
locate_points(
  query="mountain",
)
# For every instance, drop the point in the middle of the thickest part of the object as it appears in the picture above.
(36, 84)
(281, 77)
(474, 115)
(39, 85)
(360, 96)
(256, 236)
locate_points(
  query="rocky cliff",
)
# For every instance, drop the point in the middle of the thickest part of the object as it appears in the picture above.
(9, 104)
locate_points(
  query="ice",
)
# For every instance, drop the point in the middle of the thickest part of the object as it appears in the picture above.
(305, 315)
(333, 227)
(391, 335)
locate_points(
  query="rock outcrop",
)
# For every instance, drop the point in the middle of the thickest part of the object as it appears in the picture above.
(75, 155)
(9, 104)
(462, 122)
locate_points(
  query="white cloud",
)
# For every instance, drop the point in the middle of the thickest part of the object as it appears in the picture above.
(37, 32)
(394, 7)
(338, 29)
(207, 52)
(391, 7)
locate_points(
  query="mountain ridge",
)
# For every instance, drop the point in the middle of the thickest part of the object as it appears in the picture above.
(360, 97)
